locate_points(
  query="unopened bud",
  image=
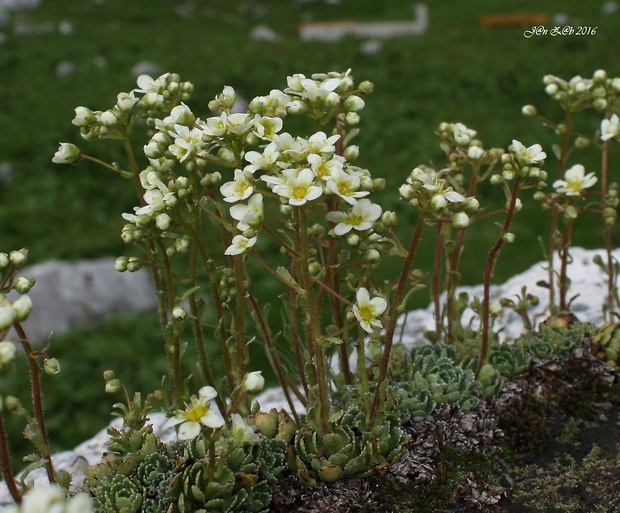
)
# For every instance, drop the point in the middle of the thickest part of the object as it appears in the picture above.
(19, 258)
(22, 306)
(23, 284)
(51, 366)
(8, 315)
(353, 103)
(120, 264)
(366, 87)
(4, 260)
(109, 374)
(460, 220)
(389, 219)
(371, 256)
(351, 152)
(529, 111)
(509, 237)
(113, 386)
(254, 382)
(7, 352)
(179, 313)
(11, 403)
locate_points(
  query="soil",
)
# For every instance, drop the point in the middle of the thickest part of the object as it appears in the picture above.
(549, 443)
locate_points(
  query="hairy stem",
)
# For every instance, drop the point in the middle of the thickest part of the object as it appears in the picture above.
(395, 309)
(37, 400)
(488, 275)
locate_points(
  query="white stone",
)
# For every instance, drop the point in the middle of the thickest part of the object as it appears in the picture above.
(70, 295)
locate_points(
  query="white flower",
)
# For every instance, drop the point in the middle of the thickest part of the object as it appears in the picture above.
(442, 194)
(264, 160)
(320, 143)
(363, 214)
(250, 215)
(44, 499)
(367, 311)
(345, 185)
(267, 127)
(241, 432)
(462, 135)
(610, 128)
(67, 153)
(297, 186)
(575, 181)
(323, 168)
(186, 143)
(199, 412)
(239, 188)
(527, 156)
(240, 244)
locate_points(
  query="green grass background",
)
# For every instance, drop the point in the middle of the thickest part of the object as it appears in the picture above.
(458, 71)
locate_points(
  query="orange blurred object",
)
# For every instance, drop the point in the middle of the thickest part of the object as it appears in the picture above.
(509, 20)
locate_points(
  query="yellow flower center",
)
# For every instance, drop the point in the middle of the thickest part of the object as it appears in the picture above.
(300, 192)
(366, 313)
(196, 412)
(343, 188)
(354, 220)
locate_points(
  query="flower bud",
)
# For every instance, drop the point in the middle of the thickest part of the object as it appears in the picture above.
(134, 264)
(351, 152)
(496, 179)
(22, 307)
(108, 118)
(475, 152)
(509, 237)
(470, 205)
(113, 386)
(366, 87)
(508, 175)
(353, 103)
(7, 316)
(120, 264)
(332, 100)
(352, 119)
(23, 284)
(600, 75)
(4, 260)
(162, 221)
(600, 104)
(7, 352)
(315, 268)
(570, 212)
(19, 258)
(529, 111)
(83, 117)
(51, 366)
(296, 107)
(11, 403)
(109, 374)
(353, 239)
(582, 142)
(371, 256)
(179, 313)
(389, 219)
(460, 220)
(253, 382)
(67, 153)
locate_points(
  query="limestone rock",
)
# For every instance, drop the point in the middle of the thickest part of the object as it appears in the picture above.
(70, 295)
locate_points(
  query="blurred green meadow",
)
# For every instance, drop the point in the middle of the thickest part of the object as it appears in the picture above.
(66, 53)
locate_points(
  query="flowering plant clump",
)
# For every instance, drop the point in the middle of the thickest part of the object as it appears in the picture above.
(227, 198)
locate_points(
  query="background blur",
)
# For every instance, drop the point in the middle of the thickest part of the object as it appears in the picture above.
(58, 54)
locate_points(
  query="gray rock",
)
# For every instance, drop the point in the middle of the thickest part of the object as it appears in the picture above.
(70, 295)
